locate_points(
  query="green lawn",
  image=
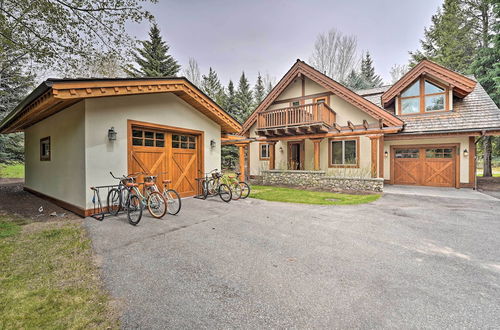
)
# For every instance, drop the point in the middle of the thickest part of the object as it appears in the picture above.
(495, 170)
(48, 279)
(15, 170)
(289, 195)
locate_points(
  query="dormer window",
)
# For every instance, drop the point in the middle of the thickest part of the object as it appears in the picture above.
(422, 96)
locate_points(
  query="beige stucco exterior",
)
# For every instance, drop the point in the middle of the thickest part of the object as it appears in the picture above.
(63, 177)
(82, 155)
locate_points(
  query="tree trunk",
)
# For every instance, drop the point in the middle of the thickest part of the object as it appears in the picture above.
(487, 157)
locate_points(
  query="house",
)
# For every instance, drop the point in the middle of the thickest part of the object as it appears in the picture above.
(77, 131)
(313, 131)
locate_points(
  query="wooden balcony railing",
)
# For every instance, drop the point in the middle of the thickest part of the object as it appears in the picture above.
(306, 114)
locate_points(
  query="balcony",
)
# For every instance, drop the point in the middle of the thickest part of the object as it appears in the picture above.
(302, 119)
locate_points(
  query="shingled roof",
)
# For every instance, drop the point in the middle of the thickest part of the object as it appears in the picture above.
(475, 112)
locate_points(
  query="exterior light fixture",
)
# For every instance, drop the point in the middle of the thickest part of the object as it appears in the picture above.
(386, 154)
(212, 144)
(466, 153)
(281, 149)
(111, 134)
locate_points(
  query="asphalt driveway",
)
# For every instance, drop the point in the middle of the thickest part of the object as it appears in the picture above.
(401, 262)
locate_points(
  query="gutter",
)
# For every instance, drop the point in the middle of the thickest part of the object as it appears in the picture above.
(471, 130)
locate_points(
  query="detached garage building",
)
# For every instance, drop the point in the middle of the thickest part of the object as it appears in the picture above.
(77, 131)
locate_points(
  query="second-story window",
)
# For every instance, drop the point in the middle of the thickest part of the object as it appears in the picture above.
(421, 97)
(295, 103)
(264, 151)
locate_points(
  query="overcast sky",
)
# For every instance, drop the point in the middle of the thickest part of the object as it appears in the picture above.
(268, 36)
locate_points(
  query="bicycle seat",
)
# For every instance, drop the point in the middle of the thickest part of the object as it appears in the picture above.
(149, 184)
(131, 184)
(167, 181)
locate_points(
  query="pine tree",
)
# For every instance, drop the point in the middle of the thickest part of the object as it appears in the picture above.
(259, 91)
(231, 100)
(486, 68)
(153, 58)
(244, 99)
(15, 84)
(211, 86)
(449, 40)
(368, 73)
(354, 81)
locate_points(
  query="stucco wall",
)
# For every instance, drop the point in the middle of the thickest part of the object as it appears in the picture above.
(63, 177)
(103, 156)
(462, 140)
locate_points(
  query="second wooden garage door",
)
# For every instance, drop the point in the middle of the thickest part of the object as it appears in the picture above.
(425, 166)
(156, 151)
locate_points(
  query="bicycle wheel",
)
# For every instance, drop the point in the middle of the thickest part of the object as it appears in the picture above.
(212, 187)
(134, 209)
(245, 189)
(157, 206)
(114, 201)
(235, 191)
(173, 201)
(204, 189)
(225, 193)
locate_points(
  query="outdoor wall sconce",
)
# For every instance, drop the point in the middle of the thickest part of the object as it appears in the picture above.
(386, 154)
(111, 134)
(212, 144)
(466, 153)
(281, 149)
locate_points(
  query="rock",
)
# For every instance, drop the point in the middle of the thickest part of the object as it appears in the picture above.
(53, 214)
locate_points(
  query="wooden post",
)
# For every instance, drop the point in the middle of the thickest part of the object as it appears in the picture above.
(381, 156)
(242, 161)
(317, 153)
(374, 144)
(272, 156)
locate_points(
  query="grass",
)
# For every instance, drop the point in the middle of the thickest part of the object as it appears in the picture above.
(48, 279)
(15, 170)
(290, 195)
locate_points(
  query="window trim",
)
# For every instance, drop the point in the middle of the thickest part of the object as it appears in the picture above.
(330, 149)
(422, 96)
(42, 157)
(268, 151)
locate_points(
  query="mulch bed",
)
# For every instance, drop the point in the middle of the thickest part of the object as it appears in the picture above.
(15, 201)
(489, 186)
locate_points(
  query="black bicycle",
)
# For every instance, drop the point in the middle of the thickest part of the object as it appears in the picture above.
(212, 186)
(123, 197)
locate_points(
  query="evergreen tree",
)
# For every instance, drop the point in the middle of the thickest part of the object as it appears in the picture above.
(354, 81)
(211, 86)
(449, 41)
(368, 73)
(231, 100)
(153, 58)
(244, 99)
(15, 84)
(259, 91)
(486, 68)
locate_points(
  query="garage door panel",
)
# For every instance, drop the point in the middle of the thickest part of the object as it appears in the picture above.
(429, 166)
(170, 155)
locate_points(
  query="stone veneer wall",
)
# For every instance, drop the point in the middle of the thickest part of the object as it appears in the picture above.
(319, 180)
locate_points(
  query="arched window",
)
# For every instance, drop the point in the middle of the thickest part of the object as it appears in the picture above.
(421, 97)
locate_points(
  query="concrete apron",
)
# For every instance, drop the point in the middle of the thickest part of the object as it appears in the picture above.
(462, 193)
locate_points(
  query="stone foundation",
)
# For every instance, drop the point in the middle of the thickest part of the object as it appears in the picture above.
(319, 180)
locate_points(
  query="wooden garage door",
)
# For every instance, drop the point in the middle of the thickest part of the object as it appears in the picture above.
(174, 156)
(425, 166)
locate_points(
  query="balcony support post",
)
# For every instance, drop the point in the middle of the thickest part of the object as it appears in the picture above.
(272, 155)
(317, 153)
(241, 148)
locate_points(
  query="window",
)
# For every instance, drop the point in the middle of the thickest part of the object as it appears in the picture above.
(148, 138)
(295, 103)
(406, 153)
(432, 98)
(264, 151)
(439, 153)
(45, 149)
(344, 153)
(183, 141)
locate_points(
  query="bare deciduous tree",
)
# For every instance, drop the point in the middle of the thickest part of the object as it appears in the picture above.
(192, 72)
(397, 71)
(335, 54)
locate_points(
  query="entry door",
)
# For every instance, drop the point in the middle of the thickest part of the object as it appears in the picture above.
(296, 153)
(170, 155)
(425, 166)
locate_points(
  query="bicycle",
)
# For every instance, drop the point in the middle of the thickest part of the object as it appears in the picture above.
(232, 182)
(212, 186)
(154, 201)
(123, 197)
(171, 196)
(245, 187)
